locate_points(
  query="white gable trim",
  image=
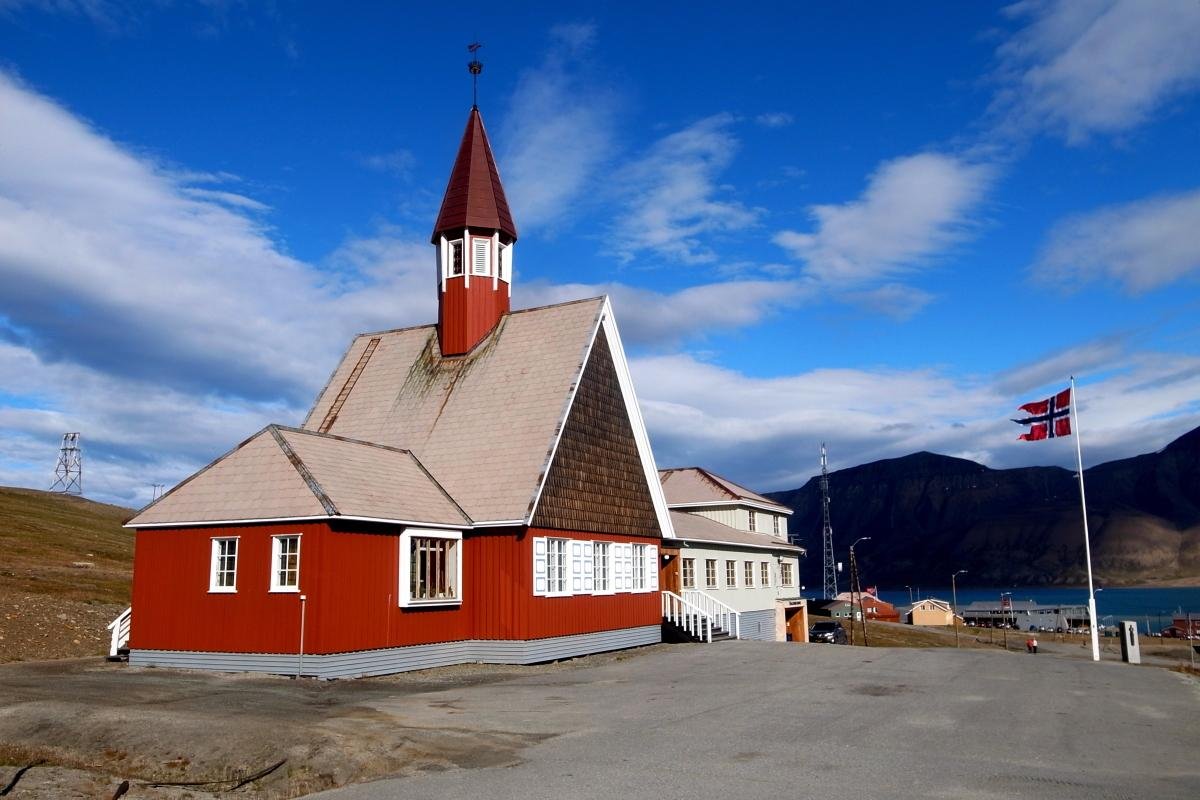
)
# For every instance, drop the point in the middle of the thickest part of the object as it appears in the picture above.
(632, 410)
(323, 518)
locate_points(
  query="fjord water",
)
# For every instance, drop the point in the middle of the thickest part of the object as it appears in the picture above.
(1154, 604)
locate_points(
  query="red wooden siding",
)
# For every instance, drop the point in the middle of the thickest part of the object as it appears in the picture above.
(175, 611)
(466, 315)
(350, 577)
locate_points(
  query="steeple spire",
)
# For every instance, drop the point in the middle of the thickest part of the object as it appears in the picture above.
(474, 235)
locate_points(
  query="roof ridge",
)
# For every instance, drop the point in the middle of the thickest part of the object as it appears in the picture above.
(305, 473)
(441, 488)
(346, 439)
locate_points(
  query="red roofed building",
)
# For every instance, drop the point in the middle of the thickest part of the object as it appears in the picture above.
(481, 489)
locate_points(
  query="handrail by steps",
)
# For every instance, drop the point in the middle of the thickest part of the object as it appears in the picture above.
(120, 631)
(724, 615)
(688, 616)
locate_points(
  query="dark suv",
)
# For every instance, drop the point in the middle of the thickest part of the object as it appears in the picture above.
(831, 632)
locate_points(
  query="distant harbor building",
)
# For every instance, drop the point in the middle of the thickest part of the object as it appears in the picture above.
(1022, 614)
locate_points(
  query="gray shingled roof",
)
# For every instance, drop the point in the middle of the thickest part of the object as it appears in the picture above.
(693, 527)
(484, 423)
(694, 485)
(288, 473)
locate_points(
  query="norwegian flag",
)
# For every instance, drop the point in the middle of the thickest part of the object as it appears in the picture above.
(1047, 418)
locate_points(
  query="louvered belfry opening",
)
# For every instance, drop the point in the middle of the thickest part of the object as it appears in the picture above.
(474, 235)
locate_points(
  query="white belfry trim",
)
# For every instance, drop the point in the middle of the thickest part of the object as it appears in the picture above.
(466, 258)
(443, 254)
(495, 260)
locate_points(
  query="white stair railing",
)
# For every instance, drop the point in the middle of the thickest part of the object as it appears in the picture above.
(688, 616)
(723, 615)
(120, 631)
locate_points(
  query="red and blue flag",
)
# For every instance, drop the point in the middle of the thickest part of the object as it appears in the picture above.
(1047, 418)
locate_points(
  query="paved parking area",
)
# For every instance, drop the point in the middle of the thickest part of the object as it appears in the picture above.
(759, 720)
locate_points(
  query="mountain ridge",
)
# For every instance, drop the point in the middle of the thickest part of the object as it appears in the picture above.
(930, 515)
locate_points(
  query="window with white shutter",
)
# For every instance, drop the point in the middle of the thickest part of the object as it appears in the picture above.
(505, 268)
(602, 561)
(589, 567)
(652, 566)
(639, 567)
(576, 567)
(480, 250)
(539, 565)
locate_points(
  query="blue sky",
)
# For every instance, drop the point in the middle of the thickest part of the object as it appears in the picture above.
(881, 225)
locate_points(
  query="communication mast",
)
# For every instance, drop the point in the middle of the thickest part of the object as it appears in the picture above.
(827, 531)
(68, 473)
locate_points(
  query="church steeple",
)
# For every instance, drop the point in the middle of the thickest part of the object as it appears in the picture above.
(474, 235)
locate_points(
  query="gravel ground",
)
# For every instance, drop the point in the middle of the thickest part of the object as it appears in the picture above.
(43, 626)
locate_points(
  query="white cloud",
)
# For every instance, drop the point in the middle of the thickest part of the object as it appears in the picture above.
(893, 300)
(1141, 245)
(674, 198)
(1082, 67)
(149, 308)
(557, 131)
(397, 162)
(912, 210)
(775, 119)
(765, 432)
(654, 319)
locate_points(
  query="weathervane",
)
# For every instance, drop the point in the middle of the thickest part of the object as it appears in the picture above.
(475, 68)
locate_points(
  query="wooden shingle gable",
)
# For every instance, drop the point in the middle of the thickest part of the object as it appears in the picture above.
(597, 480)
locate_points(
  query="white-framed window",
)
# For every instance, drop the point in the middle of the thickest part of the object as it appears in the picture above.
(753, 521)
(430, 567)
(556, 566)
(481, 251)
(640, 584)
(786, 578)
(775, 524)
(285, 563)
(456, 258)
(602, 567)
(222, 571)
(688, 570)
(748, 573)
(765, 571)
(504, 268)
(731, 574)
(710, 573)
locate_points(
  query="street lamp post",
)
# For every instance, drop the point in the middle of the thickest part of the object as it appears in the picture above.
(1005, 623)
(954, 602)
(856, 591)
(910, 600)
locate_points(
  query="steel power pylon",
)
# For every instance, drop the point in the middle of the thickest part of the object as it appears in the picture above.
(827, 531)
(68, 473)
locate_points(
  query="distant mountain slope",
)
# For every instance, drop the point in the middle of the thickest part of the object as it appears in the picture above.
(929, 515)
(65, 569)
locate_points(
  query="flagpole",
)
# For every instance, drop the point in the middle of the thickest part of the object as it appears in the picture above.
(1087, 545)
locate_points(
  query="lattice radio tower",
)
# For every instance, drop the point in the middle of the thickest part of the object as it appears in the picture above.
(68, 473)
(827, 531)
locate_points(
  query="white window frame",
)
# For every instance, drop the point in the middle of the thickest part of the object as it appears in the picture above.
(462, 258)
(748, 574)
(764, 573)
(641, 581)
(710, 581)
(504, 269)
(731, 566)
(276, 554)
(775, 523)
(684, 563)
(602, 570)
(404, 590)
(481, 247)
(563, 546)
(787, 576)
(215, 562)
(753, 520)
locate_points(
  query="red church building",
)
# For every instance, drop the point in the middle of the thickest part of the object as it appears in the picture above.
(481, 489)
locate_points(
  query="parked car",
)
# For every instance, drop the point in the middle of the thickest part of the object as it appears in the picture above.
(1175, 632)
(830, 632)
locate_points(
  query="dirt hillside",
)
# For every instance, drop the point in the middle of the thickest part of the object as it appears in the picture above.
(64, 575)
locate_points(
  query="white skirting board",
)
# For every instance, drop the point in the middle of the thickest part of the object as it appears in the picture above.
(362, 663)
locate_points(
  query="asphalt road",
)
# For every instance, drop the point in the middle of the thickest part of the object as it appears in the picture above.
(751, 720)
